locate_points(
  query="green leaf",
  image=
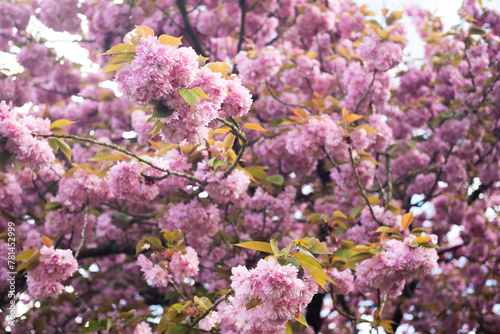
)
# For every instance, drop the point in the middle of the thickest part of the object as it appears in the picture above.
(360, 257)
(428, 245)
(314, 269)
(420, 230)
(57, 143)
(52, 206)
(6, 158)
(300, 319)
(254, 126)
(127, 314)
(160, 110)
(178, 329)
(250, 303)
(200, 92)
(166, 318)
(121, 48)
(394, 16)
(111, 68)
(121, 58)
(489, 138)
(154, 243)
(387, 229)
(170, 40)
(257, 245)
(60, 123)
(356, 211)
(189, 96)
(93, 326)
(219, 67)
(156, 128)
(475, 30)
(25, 255)
(214, 163)
(170, 295)
(144, 31)
(283, 261)
(276, 179)
(317, 219)
(344, 254)
(274, 247)
(317, 246)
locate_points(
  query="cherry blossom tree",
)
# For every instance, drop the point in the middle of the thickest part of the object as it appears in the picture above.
(257, 166)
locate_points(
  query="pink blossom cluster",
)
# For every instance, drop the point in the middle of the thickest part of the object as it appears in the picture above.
(35, 59)
(191, 124)
(364, 232)
(16, 91)
(265, 298)
(14, 15)
(318, 135)
(75, 191)
(55, 266)
(184, 264)
(134, 181)
(260, 69)
(209, 321)
(222, 189)
(59, 15)
(20, 141)
(157, 274)
(344, 281)
(315, 19)
(198, 222)
(378, 54)
(143, 328)
(389, 269)
(158, 72)
(357, 80)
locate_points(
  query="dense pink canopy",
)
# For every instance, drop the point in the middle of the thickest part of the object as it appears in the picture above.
(283, 167)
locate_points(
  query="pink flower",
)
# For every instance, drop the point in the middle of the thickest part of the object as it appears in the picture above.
(157, 71)
(143, 328)
(126, 181)
(184, 264)
(198, 222)
(54, 266)
(265, 297)
(152, 272)
(209, 321)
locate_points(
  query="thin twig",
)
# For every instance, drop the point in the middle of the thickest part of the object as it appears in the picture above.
(242, 24)
(241, 135)
(389, 177)
(365, 94)
(84, 228)
(118, 148)
(208, 310)
(181, 4)
(361, 189)
(285, 103)
(53, 91)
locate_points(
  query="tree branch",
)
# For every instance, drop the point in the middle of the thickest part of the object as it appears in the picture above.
(241, 135)
(361, 189)
(242, 24)
(365, 94)
(181, 4)
(84, 228)
(107, 249)
(124, 151)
